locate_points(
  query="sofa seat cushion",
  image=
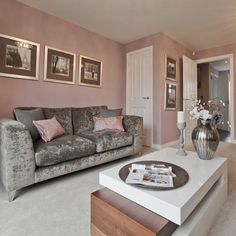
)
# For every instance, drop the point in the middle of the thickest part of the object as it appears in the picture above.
(62, 149)
(108, 139)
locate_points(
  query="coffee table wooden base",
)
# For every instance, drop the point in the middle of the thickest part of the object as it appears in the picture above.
(114, 215)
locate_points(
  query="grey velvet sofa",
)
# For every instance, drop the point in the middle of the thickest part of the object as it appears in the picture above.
(24, 162)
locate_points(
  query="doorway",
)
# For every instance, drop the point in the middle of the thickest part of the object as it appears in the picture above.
(215, 83)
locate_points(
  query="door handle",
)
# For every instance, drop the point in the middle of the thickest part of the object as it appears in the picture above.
(145, 97)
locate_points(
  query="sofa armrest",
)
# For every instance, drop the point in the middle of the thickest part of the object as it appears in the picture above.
(134, 126)
(17, 163)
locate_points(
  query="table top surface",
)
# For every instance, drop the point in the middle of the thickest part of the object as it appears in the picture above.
(201, 178)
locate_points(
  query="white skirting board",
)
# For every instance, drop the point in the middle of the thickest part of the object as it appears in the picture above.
(161, 146)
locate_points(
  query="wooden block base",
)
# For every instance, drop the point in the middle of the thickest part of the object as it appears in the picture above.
(115, 215)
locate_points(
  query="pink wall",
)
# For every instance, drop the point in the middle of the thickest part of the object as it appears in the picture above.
(24, 22)
(165, 129)
(218, 51)
(21, 21)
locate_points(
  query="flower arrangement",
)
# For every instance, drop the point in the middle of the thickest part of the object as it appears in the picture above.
(212, 114)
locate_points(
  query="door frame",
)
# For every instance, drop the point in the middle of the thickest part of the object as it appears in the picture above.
(149, 48)
(231, 79)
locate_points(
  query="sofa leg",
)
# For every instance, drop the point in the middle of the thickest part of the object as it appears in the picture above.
(11, 195)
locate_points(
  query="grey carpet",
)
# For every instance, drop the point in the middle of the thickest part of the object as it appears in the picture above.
(61, 207)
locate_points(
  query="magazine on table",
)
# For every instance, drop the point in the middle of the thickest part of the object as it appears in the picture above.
(151, 175)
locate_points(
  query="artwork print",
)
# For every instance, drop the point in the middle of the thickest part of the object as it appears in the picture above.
(60, 65)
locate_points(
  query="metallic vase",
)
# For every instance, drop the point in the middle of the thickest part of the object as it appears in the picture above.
(205, 139)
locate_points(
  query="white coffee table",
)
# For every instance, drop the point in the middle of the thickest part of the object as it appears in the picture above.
(194, 205)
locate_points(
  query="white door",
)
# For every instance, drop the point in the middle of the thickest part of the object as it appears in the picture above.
(189, 92)
(139, 79)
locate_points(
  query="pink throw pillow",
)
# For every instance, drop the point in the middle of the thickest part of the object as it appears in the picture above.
(49, 129)
(111, 123)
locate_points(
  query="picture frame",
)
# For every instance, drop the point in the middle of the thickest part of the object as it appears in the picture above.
(59, 66)
(19, 58)
(90, 72)
(170, 68)
(170, 96)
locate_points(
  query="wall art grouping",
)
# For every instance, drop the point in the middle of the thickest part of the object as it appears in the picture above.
(170, 83)
(19, 59)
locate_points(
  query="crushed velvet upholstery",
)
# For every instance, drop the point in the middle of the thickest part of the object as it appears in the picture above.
(17, 163)
(64, 148)
(27, 117)
(134, 126)
(108, 139)
(63, 116)
(110, 112)
(18, 154)
(49, 172)
(82, 118)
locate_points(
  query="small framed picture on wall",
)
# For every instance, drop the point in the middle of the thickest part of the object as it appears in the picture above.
(170, 68)
(59, 66)
(19, 58)
(90, 72)
(170, 96)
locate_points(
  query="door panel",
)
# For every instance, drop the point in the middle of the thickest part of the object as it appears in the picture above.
(139, 88)
(189, 92)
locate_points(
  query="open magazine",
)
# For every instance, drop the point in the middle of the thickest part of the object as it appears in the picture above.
(151, 175)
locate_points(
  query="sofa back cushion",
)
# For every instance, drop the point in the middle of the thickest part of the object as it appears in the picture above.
(82, 118)
(63, 116)
(110, 112)
(27, 116)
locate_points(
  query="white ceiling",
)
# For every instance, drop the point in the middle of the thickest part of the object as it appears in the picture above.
(197, 24)
(221, 65)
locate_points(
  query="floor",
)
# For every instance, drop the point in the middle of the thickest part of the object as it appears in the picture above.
(61, 206)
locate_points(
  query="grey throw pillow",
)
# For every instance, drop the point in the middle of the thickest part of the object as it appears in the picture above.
(110, 112)
(26, 117)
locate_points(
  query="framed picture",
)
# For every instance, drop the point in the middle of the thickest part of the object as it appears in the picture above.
(19, 58)
(90, 72)
(170, 96)
(59, 66)
(170, 68)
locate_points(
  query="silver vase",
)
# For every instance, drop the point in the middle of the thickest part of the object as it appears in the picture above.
(205, 139)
